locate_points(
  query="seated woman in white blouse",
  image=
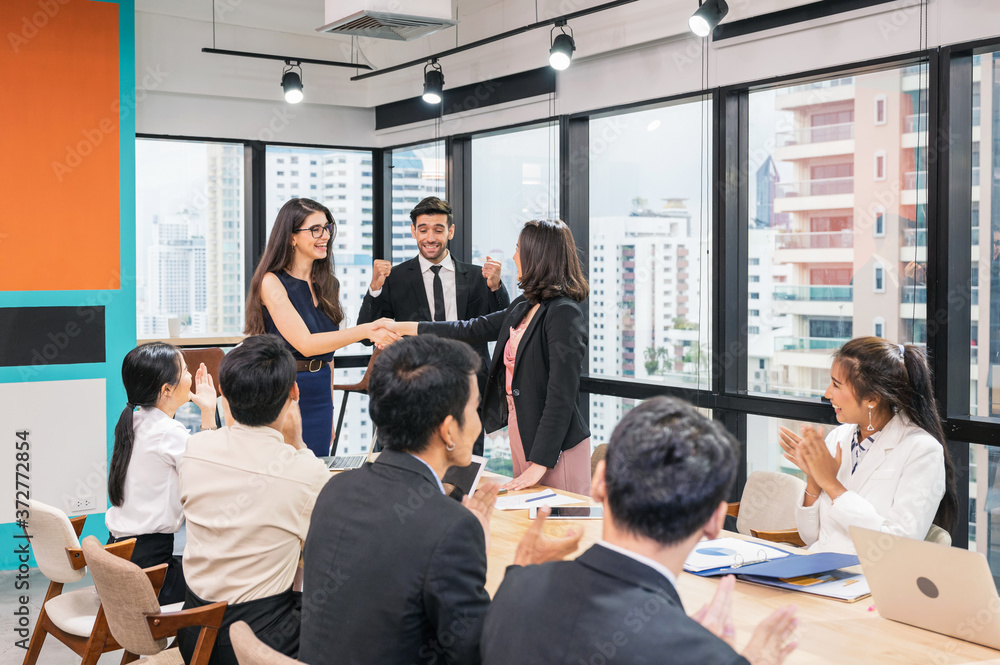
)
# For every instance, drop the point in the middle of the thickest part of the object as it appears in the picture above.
(886, 467)
(149, 443)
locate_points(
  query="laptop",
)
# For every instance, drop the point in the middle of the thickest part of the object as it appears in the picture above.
(346, 462)
(943, 589)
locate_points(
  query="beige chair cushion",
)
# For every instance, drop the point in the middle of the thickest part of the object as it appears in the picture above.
(75, 612)
(600, 452)
(768, 502)
(51, 533)
(251, 651)
(168, 657)
(938, 535)
(127, 596)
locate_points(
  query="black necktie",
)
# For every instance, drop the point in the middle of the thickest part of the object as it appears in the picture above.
(438, 295)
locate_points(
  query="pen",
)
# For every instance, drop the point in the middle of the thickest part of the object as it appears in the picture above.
(501, 492)
(539, 498)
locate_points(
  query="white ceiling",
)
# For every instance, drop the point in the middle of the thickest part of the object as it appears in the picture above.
(302, 17)
(171, 34)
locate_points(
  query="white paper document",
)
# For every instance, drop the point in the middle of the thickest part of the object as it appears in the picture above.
(725, 552)
(534, 499)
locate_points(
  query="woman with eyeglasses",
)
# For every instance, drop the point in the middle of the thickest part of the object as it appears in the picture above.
(295, 295)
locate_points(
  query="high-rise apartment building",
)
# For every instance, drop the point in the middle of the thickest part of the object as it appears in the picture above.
(646, 303)
(224, 241)
(843, 202)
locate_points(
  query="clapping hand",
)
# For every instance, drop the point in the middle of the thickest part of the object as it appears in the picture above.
(491, 272)
(822, 466)
(204, 393)
(481, 504)
(772, 641)
(536, 547)
(717, 615)
(810, 454)
(291, 428)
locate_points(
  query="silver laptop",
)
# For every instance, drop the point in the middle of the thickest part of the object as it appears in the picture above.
(948, 590)
(345, 462)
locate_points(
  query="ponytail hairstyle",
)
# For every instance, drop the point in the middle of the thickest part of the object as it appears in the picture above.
(145, 370)
(899, 375)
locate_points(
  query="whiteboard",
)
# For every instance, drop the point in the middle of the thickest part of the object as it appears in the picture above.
(67, 430)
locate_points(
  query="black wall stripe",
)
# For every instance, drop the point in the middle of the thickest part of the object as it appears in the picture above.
(541, 81)
(51, 335)
(793, 15)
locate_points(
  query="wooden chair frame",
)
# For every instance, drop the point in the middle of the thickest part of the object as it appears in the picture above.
(100, 640)
(788, 536)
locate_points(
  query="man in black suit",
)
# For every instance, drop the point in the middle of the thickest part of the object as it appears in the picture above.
(434, 286)
(663, 487)
(395, 569)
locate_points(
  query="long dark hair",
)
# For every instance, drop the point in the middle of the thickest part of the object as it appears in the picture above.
(278, 256)
(550, 266)
(902, 379)
(145, 370)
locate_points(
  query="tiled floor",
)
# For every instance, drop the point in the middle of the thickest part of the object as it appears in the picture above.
(53, 651)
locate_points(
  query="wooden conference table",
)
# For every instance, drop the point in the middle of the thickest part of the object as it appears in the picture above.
(829, 631)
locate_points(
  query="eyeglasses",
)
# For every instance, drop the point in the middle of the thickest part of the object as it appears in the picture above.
(317, 231)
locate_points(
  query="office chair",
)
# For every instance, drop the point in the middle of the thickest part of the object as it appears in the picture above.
(348, 388)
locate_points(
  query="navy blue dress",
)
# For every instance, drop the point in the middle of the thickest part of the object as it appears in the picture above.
(315, 394)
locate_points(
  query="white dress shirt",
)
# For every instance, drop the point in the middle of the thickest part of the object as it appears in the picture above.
(152, 491)
(646, 561)
(447, 282)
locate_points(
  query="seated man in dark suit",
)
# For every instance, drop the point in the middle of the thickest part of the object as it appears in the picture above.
(434, 285)
(663, 486)
(394, 569)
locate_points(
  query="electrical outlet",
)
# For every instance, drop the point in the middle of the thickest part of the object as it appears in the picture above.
(80, 504)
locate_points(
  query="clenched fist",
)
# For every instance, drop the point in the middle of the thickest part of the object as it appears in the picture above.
(491, 271)
(380, 270)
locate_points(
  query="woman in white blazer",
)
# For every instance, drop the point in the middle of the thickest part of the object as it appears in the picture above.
(886, 467)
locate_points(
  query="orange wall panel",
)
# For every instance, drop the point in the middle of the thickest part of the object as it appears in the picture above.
(59, 145)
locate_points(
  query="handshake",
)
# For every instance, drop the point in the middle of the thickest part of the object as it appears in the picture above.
(384, 332)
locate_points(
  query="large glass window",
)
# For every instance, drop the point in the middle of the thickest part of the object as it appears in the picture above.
(189, 239)
(985, 293)
(837, 223)
(342, 181)
(763, 450)
(417, 172)
(650, 217)
(514, 180)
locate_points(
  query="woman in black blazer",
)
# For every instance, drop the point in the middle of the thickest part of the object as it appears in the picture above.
(535, 373)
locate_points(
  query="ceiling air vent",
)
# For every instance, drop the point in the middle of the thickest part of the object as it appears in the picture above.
(380, 19)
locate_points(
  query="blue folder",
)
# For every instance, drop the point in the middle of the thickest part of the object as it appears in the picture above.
(793, 565)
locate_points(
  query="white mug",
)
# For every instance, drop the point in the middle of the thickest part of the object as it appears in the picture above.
(175, 327)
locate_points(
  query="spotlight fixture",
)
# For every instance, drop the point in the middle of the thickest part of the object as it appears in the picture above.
(710, 13)
(291, 81)
(433, 82)
(563, 46)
